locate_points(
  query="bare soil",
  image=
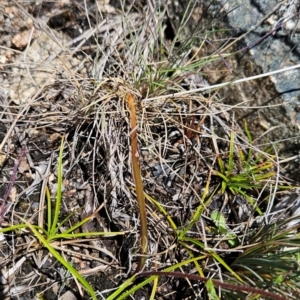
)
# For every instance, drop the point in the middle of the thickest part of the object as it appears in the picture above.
(55, 83)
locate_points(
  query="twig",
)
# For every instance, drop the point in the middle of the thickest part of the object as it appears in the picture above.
(212, 87)
(3, 207)
(220, 55)
(229, 286)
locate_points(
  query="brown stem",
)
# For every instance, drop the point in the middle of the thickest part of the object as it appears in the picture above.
(3, 206)
(227, 286)
(138, 184)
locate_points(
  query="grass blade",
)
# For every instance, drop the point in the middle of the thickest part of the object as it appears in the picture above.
(72, 270)
(58, 198)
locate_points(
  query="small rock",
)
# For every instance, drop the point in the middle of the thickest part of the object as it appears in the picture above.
(68, 296)
(21, 40)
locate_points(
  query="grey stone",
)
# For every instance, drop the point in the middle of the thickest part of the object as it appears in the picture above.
(68, 296)
(277, 51)
(278, 96)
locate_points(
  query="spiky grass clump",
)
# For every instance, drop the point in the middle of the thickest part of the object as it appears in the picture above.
(50, 234)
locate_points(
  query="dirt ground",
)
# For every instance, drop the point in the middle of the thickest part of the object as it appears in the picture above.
(41, 73)
(65, 69)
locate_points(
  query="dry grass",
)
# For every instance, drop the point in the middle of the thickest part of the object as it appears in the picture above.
(182, 136)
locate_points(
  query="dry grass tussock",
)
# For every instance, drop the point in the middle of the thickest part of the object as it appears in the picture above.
(195, 160)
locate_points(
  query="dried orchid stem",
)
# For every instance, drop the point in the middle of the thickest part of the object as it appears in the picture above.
(13, 178)
(138, 184)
